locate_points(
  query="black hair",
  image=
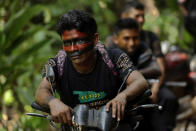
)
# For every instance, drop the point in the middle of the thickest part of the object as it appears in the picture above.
(127, 23)
(77, 19)
(133, 4)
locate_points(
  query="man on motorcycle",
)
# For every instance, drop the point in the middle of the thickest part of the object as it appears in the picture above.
(83, 76)
(127, 37)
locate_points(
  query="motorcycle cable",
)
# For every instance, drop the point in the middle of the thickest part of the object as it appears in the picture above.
(125, 79)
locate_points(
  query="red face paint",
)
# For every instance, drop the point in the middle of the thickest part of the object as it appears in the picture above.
(76, 41)
(76, 47)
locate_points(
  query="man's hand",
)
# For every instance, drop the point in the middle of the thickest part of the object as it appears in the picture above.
(60, 112)
(193, 104)
(155, 91)
(118, 106)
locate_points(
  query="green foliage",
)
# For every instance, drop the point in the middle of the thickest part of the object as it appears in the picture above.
(3, 130)
(169, 26)
(8, 97)
(13, 28)
(31, 123)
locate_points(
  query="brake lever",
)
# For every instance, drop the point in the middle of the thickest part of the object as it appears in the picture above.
(49, 117)
(40, 115)
(146, 106)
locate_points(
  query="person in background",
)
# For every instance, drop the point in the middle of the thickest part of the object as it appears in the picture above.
(188, 8)
(193, 104)
(126, 36)
(136, 11)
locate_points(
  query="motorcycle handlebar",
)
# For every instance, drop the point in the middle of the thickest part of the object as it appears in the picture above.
(36, 106)
(137, 100)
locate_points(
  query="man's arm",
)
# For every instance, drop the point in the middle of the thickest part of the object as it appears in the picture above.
(157, 52)
(161, 63)
(43, 94)
(136, 84)
(182, 7)
(156, 69)
(193, 104)
(60, 112)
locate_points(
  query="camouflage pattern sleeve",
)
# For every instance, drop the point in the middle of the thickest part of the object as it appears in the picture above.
(51, 62)
(122, 62)
(124, 65)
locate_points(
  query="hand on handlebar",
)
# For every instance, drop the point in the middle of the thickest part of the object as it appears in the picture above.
(155, 91)
(60, 112)
(118, 106)
(193, 104)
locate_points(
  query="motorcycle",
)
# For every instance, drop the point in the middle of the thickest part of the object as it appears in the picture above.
(181, 79)
(84, 118)
(87, 119)
(180, 72)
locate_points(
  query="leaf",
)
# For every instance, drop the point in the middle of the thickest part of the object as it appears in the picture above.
(25, 96)
(24, 55)
(2, 39)
(14, 6)
(47, 15)
(25, 36)
(16, 23)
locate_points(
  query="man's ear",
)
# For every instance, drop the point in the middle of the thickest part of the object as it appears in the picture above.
(115, 38)
(96, 38)
(123, 15)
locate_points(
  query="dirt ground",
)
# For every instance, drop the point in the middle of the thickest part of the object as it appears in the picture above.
(181, 127)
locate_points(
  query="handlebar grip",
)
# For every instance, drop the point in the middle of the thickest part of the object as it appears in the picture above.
(141, 97)
(146, 94)
(38, 107)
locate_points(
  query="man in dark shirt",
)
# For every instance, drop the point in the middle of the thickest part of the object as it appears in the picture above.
(188, 8)
(135, 10)
(81, 74)
(139, 53)
(127, 37)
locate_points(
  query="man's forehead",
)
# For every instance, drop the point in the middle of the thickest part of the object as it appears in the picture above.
(71, 34)
(133, 12)
(129, 31)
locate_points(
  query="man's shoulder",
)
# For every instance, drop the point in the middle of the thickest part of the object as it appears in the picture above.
(143, 47)
(109, 41)
(148, 33)
(50, 63)
(114, 50)
(59, 61)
